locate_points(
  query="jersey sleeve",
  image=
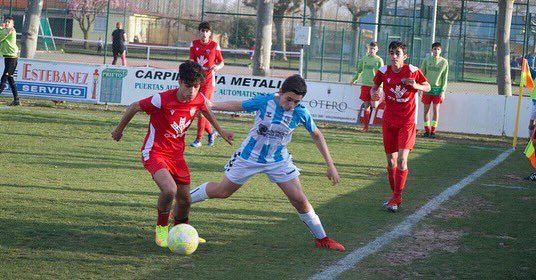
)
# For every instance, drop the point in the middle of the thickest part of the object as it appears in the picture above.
(378, 78)
(419, 77)
(219, 56)
(192, 55)
(308, 121)
(254, 104)
(151, 104)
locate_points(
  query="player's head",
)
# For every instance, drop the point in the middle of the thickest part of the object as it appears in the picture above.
(436, 49)
(398, 53)
(191, 76)
(204, 30)
(118, 25)
(292, 92)
(372, 48)
(9, 22)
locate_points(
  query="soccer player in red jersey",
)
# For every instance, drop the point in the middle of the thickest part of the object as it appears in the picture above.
(400, 85)
(206, 53)
(171, 113)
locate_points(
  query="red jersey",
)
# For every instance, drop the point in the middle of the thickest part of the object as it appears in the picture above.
(400, 101)
(170, 119)
(206, 55)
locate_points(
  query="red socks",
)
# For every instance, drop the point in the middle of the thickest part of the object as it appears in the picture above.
(366, 119)
(427, 129)
(400, 179)
(163, 218)
(203, 125)
(391, 176)
(433, 129)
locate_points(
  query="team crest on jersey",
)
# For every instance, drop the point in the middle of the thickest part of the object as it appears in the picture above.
(207, 51)
(201, 60)
(399, 91)
(180, 128)
(286, 119)
(388, 80)
(196, 49)
(192, 111)
(172, 111)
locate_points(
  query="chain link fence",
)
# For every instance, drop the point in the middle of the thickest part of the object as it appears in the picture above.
(159, 30)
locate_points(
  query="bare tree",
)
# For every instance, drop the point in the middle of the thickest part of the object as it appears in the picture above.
(357, 9)
(281, 9)
(504, 23)
(31, 28)
(263, 39)
(314, 7)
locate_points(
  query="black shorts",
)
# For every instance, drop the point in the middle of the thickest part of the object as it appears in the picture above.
(10, 65)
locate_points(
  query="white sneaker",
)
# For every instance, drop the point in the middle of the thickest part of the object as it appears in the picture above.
(196, 144)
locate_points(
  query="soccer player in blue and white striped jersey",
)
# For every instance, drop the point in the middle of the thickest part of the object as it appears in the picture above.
(265, 151)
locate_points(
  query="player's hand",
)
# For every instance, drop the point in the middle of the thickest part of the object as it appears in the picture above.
(208, 103)
(228, 136)
(333, 174)
(409, 82)
(117, 134)
(375, 96)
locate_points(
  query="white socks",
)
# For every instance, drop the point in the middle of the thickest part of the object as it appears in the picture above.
(199, 194)
(313, 223)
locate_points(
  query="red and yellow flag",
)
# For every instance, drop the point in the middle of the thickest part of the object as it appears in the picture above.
(530, 153)
(526, 78)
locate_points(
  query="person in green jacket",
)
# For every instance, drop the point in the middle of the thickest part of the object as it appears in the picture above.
(10, 51)
(436, 70)
(367, 68)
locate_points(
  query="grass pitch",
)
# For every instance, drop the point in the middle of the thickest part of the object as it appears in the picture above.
(75, 204)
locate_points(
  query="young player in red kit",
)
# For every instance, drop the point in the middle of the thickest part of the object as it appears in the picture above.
(206, 53)
(171, 113)
(400, 85)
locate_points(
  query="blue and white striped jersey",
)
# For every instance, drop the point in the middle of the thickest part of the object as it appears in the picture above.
(272, 131)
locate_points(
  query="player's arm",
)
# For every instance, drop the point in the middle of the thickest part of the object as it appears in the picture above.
(358, 73)
(227, 135)
(4, 32)
(322, 146)
(231, 106)
(219, 60)
(131, 111)
(444, 80)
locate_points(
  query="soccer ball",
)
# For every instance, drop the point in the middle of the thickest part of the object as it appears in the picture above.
(183, 239)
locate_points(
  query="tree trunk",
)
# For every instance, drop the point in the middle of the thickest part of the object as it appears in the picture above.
(263, 38)
(449, 34)
(355, 42)
(86, 37)
(31, 28)
(281, 43)
(504, 80)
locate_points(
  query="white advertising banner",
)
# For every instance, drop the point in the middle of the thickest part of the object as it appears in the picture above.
(463, 113)
(62, 81)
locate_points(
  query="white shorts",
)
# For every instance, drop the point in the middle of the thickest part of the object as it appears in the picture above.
(239, 170)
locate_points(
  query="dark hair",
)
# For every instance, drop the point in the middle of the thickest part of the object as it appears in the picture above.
(373, 44)
(398, 45)
(294, 83)
(9, 18)
(436, 45)
(204, 25)
(191, 73)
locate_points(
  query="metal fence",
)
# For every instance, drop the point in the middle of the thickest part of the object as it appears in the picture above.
(466, 29)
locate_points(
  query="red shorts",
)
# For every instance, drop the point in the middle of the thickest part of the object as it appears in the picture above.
(177, 167)
(365, 94)
(428, 98)
(397, 137)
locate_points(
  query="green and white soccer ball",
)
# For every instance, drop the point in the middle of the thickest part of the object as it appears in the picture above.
(183, 239)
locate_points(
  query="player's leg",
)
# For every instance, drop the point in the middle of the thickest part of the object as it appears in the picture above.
(183, 201)
(168, 190)
(406, 141)
(427, 123)
(124, 58)
(212, 134)
(435, 119)
(366, 98)
(237, 172)
(294, 192)
(11, 65)
(223, 189)
(390, 145)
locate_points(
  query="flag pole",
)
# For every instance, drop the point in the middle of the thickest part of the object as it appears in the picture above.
(516, 127)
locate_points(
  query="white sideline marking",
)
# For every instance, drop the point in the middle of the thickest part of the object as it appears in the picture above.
(404, 228)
